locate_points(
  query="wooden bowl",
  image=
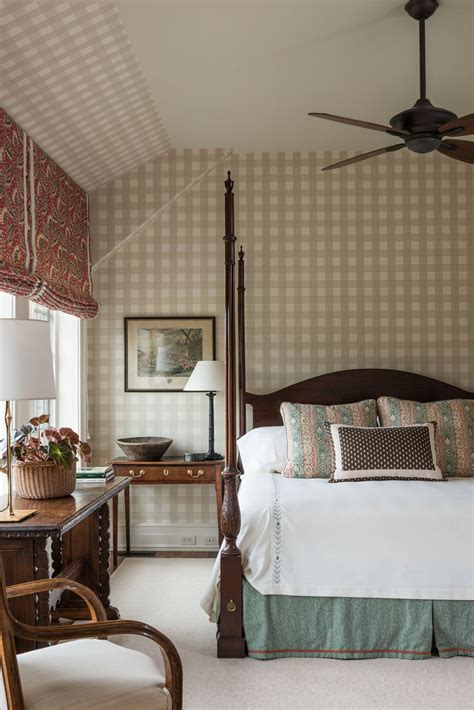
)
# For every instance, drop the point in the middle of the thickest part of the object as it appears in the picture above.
(144, 448)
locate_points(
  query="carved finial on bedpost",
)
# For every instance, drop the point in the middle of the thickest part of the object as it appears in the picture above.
(229, 183)
(229, 235)
(241, 253)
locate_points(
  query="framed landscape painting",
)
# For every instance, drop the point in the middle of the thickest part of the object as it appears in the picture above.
(160, 353)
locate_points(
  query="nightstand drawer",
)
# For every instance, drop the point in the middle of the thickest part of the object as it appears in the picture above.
(172, 471)
(169, 474)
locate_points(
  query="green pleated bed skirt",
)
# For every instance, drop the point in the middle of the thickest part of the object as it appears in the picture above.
(278, 626)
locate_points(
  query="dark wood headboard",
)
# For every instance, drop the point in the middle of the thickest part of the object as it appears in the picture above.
(351, 386)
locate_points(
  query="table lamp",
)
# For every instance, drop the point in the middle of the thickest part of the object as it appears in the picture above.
(26, 372)
(208, 376)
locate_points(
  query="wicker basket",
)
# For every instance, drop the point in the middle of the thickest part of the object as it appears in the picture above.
(44, 480)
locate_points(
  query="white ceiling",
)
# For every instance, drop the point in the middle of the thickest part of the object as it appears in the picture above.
(244, 73)
(103, 85)
(70, 78)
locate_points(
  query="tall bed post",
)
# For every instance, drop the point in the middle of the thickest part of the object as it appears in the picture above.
(241, 341)
(230, 641)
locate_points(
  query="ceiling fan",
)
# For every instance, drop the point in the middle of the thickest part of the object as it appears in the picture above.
(424, 127)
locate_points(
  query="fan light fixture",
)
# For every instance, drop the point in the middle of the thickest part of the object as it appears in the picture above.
(423, 127)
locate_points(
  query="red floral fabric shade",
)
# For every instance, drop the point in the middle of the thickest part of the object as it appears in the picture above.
(44, 227)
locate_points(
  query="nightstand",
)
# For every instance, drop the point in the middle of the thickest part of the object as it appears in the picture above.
(167, 471)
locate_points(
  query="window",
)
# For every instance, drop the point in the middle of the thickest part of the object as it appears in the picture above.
(65, 329)
(6, 305)
(6, 311)
(44, 406)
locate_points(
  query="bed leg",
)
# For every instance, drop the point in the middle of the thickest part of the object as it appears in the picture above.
(230, 640)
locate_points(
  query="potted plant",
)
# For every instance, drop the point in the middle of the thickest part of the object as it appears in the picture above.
(45, 459)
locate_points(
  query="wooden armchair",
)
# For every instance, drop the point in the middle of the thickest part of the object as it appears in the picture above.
(89, 672)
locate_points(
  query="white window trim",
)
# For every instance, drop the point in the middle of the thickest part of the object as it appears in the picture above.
(75, 415)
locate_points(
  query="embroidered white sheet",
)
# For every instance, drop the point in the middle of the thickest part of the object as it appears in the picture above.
(386, 539)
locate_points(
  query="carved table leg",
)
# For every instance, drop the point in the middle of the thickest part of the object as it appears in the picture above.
(115, 532)
(57, 555)
(57, 564)
(41, 570)
(104, 551)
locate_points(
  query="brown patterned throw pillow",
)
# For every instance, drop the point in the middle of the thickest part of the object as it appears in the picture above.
(394, 453)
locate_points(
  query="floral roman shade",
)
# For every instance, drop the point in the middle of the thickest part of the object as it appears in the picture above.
(44, 227)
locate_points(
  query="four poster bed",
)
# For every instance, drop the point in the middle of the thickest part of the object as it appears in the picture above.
(349, 571)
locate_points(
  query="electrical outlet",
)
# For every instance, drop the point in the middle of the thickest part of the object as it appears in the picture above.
(188, 539)
(211, 541)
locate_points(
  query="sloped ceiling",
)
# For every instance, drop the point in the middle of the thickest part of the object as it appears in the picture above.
(245, 73)
(70, 77)
(91, 80)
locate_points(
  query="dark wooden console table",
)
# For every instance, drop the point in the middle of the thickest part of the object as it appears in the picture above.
(166, 471)
(78, 527)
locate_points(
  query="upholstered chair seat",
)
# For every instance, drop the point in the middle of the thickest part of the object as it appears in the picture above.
(90, 674)
(87, 672)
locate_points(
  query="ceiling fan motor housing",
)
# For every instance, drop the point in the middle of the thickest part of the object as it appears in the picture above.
(421, 9)
(422, 121)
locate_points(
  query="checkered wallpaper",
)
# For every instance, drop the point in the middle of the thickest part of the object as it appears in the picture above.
(70, 77)
(365, 267)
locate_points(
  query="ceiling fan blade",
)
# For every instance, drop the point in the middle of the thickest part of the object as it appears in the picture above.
(459, 150)
(361, 124)
(365, 156)
(463, 126)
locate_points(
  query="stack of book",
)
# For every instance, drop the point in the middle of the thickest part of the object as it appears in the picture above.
(95, 475)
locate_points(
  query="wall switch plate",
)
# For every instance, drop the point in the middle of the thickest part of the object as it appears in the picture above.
(188, 540)
(210, 541)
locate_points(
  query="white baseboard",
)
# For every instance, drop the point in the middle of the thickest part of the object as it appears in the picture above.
(145, 537)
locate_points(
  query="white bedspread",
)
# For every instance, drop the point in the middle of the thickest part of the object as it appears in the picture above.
(387, 539)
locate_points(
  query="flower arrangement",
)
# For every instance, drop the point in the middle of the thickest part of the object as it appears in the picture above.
(44, 444)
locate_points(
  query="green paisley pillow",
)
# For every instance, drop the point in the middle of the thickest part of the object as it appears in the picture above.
(454, 420)
(310, 453)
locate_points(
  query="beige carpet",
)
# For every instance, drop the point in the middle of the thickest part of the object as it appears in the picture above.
(166, 593)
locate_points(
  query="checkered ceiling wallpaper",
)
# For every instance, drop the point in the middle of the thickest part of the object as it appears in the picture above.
(70, 77)
(365, 267)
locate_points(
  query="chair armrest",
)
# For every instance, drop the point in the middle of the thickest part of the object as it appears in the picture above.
(172, 661)
(95, 606)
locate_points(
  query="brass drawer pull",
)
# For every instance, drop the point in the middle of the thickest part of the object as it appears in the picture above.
(231, 606)
(195, 474)
(166, 472)
(140, 473)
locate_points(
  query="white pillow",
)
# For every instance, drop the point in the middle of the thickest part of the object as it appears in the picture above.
(263, 450)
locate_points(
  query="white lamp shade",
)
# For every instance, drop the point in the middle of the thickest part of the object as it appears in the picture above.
(26, 361)
(207, 376)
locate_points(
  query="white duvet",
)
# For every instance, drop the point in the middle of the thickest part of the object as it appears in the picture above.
(386, 539)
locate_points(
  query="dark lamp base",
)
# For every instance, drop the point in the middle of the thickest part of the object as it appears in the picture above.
(212, 456)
